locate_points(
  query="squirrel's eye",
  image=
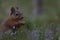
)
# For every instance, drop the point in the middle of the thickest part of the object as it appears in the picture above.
(16, 14)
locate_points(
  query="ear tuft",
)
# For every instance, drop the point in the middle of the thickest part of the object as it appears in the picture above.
(17, 8)
(12, 10)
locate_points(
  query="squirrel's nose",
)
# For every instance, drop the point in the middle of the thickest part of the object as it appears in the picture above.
(21, 17)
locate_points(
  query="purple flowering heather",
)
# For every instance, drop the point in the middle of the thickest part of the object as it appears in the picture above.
(34, 34)
(48, 34)
(59, 38)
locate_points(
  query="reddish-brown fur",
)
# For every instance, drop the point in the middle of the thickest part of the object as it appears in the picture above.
(9, 23)
(12, 20)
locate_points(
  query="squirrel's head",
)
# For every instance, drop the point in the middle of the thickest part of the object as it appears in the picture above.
(16, 14)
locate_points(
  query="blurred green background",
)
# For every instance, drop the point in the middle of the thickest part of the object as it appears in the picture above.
(47, 19)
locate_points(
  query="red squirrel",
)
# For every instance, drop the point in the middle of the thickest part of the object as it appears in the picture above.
(15, 19)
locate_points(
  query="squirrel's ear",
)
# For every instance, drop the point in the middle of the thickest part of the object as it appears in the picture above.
(17, 9)
(12, 10)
